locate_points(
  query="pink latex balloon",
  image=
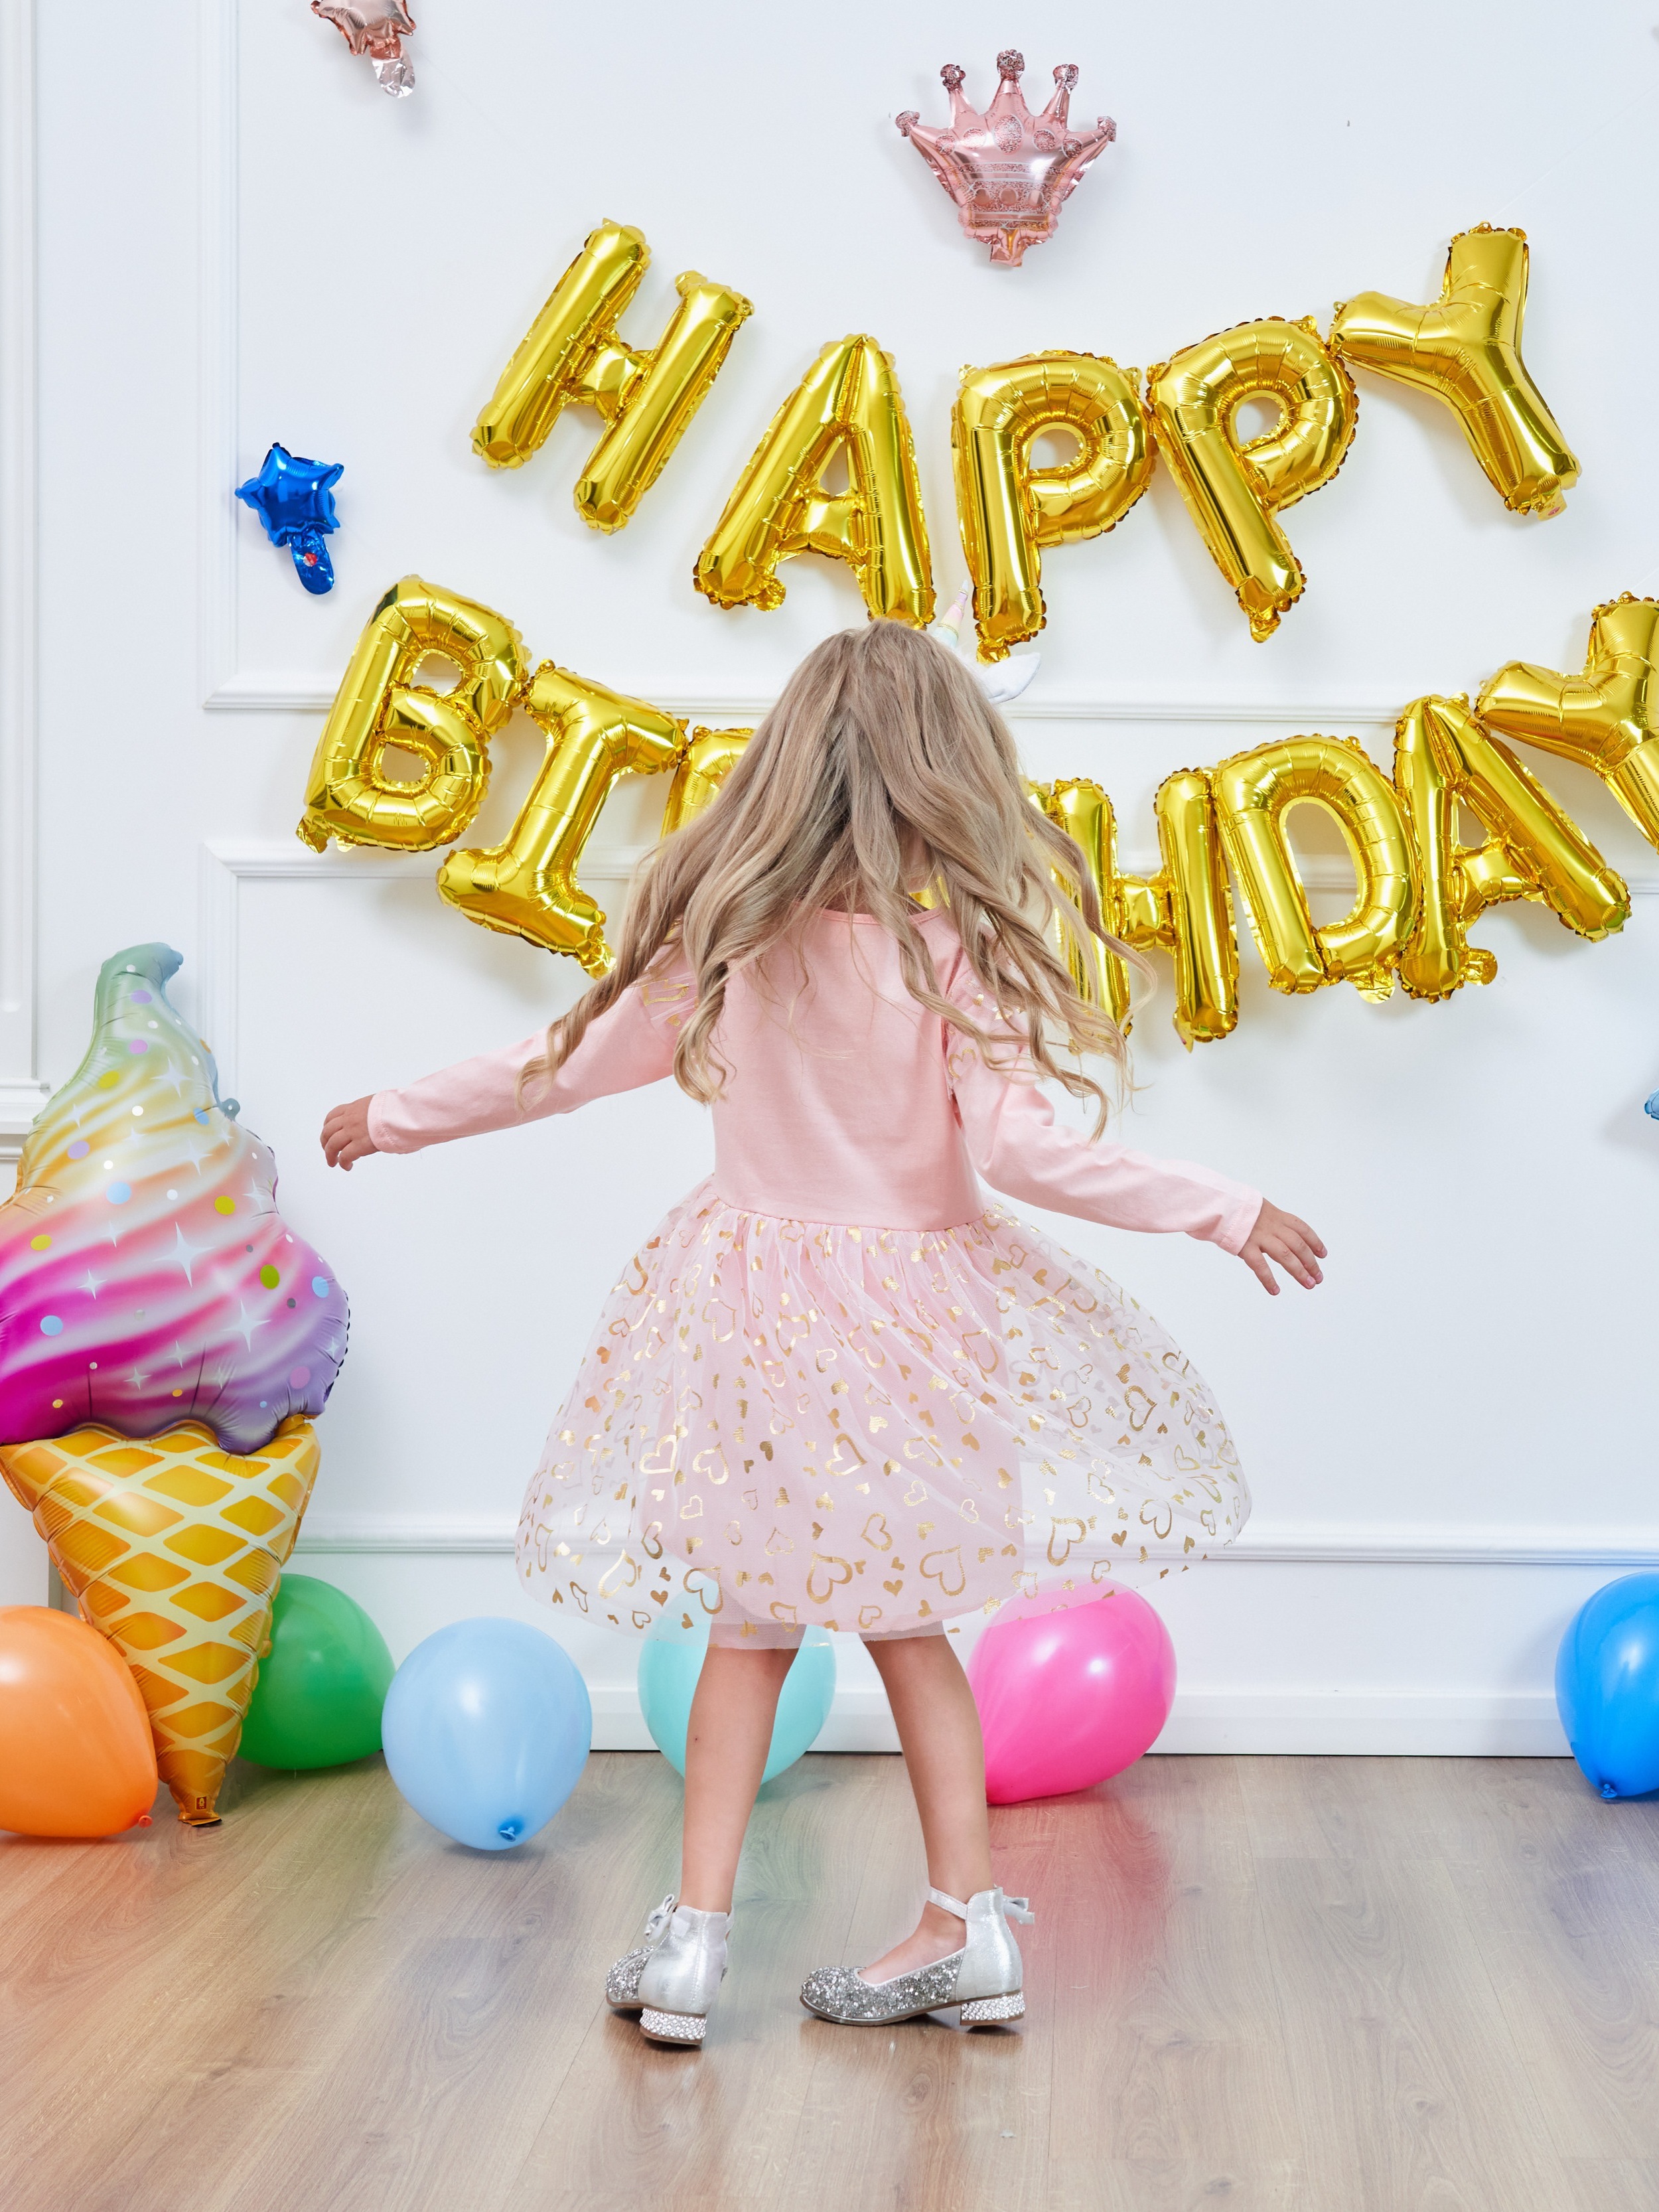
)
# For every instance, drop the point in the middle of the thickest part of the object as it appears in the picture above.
(1067, 1699)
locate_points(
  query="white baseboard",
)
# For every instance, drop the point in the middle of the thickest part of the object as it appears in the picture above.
(1338, 1723)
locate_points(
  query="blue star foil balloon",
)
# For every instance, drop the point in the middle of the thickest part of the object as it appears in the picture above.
(294, 499)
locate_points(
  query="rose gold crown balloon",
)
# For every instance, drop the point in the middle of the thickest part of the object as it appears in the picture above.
(1009, 172)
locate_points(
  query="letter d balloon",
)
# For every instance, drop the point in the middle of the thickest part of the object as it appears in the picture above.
(486, 1729)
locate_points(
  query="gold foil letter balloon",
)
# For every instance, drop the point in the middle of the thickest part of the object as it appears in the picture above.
(709, 757)
(573, 354)
(1185, 909)
(1443, 760)
(848, 405)
(1009, 172)
(1465, 347)
(1235, 488)
(1607, 719)
(1254, 793)
(1009, 510)
(164, 1340)
(526, 886)
(349, 795)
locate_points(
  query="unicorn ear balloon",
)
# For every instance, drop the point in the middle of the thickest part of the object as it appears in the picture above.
(1009, 172)
(1001, 684)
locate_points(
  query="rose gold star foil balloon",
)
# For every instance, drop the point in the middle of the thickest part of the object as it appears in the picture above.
(1009, 172)
(374, 27)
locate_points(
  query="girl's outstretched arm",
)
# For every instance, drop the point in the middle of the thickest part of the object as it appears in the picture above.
(1020, 1147)
(630, 1044)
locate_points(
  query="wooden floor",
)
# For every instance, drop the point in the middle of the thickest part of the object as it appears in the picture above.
(1335, 1985)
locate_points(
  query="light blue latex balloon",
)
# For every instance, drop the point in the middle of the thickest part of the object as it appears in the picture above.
(487, 1727)
(1606, 1687)
(668, 1679)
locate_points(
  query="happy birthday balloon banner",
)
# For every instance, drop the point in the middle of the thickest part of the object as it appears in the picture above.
(1465, 347)
(1418, 888)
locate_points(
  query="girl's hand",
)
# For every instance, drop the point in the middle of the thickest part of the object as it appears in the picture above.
(1279, 1236)
(346, 1137)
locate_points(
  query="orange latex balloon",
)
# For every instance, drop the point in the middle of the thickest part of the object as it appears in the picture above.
(76, 1755)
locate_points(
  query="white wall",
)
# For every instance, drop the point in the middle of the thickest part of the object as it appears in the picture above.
(240, 239)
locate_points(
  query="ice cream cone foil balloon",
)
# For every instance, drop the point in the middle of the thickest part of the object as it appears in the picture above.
(174, 1549)
(164, 1338)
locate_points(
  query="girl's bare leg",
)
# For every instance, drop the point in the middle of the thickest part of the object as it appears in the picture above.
(725, 1748)
(938, 1725)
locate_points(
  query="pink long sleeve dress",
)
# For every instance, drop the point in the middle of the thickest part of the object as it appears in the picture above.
(835, 1387)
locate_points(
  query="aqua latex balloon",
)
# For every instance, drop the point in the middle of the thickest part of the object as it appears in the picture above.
(321, 1684)
(1606, 1687)
(486, 1729)
(668, 1679)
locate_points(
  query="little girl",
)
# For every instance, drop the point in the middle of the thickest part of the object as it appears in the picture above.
(835, 1386)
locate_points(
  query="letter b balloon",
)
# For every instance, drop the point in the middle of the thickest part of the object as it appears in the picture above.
(487, 1727)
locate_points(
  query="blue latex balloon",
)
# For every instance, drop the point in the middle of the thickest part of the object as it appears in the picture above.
(487, 1727)
(668, 1681)
(1650, 1106)
(294, 500)
(1606, 1687)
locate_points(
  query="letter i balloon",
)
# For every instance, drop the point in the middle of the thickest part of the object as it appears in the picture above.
(165, 1341)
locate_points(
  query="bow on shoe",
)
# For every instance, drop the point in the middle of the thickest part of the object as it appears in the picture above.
(1019, 1908)
(656, 1925)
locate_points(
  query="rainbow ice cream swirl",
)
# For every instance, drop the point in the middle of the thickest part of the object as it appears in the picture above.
(146, 1276)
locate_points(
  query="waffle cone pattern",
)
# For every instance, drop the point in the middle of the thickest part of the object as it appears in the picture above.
(173, 1548)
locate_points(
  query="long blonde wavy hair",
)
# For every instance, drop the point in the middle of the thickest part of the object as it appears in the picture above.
(881, 777)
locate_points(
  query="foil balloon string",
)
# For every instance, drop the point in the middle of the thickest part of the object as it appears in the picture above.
(376, 29)
(1009, 172)
(1418, 887)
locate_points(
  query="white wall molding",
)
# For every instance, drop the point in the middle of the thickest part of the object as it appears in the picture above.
(218, 330)
(22, 1092)
(1285, 1544)
(225, 867)
(236, 693)
(1324, 1723)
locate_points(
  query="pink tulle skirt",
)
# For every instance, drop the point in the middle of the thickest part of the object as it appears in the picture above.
(788, 1423)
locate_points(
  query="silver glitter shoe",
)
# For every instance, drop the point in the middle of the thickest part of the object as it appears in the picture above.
(673, 1979)
(984, 1978)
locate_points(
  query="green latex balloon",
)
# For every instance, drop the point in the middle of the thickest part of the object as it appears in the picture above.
(669, 1667)
(321, 1687)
